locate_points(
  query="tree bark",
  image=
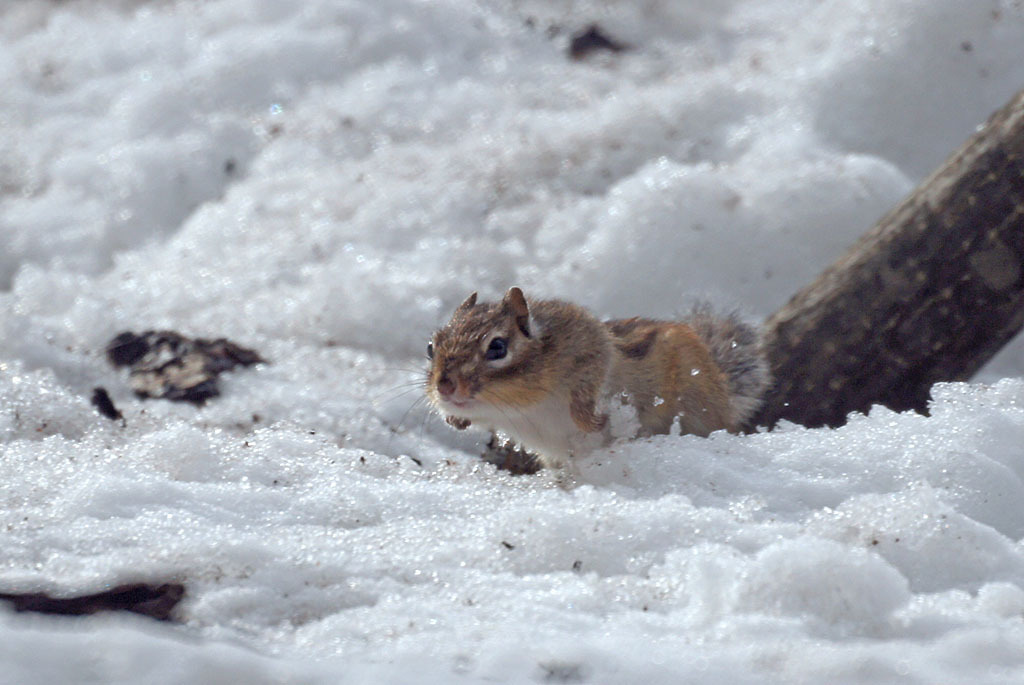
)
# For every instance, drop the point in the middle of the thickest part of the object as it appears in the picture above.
(930, 294)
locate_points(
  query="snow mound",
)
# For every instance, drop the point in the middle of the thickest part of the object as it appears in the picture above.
(323, 181)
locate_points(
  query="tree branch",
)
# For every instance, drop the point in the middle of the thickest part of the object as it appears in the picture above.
(930, 294)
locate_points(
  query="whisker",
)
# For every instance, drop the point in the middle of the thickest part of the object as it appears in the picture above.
(427, 416)
(412, 406)
(396, 429)
(407, 369)
(406, 388)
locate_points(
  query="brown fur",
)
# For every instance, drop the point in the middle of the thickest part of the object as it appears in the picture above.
(567, 351)
(559, 355)
(662, 384)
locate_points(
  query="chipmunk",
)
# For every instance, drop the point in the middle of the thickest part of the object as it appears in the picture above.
(543, 372)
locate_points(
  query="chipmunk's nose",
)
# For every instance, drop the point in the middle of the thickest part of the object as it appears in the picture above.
(454, 389)
(446, 386)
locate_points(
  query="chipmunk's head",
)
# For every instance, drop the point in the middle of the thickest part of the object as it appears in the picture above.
(486, 359)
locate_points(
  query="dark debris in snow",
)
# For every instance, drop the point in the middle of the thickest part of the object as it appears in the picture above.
(167, 365)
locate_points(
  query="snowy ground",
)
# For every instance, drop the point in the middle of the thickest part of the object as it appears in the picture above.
(324, 180)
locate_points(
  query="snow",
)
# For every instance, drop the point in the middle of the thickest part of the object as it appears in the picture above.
(324, 181)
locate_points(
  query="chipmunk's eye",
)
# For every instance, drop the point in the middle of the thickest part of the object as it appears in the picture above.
(497, 349)
(430, 350)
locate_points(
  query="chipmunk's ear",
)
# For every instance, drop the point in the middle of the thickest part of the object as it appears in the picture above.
(467, 305)
(516, 304)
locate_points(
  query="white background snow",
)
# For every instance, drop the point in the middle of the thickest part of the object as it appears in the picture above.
(324, 180)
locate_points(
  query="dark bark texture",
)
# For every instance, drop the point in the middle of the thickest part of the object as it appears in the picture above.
(930, 294)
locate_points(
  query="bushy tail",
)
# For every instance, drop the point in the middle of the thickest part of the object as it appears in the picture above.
(736, 348)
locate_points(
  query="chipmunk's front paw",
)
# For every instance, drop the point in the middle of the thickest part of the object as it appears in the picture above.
(457, 423)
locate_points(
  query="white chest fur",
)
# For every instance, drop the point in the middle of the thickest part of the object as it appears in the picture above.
(545, 429)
